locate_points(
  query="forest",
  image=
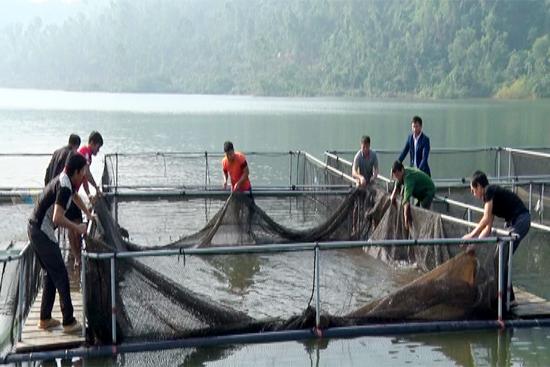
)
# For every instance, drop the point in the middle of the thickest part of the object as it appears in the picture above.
(381, 48)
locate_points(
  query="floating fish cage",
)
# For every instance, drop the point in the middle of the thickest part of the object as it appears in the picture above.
(173, 260)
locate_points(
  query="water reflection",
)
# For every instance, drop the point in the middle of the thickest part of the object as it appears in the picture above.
(238, 271)
(518, 347)
(182, 123)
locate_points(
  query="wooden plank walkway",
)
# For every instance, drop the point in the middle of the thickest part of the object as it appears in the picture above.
(35, 339)
(529, 305)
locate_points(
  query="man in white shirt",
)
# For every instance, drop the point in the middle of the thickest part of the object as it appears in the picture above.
(417, 146)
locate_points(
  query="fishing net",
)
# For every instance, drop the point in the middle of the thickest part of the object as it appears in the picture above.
(20, 280)
(532, 162)
(159, 298)
(201, 169)
(525, 173)
(182, 296)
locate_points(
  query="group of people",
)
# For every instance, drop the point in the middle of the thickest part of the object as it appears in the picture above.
(60, 205)
(415, 182)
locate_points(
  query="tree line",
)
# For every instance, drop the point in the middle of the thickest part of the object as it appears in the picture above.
(375, 48)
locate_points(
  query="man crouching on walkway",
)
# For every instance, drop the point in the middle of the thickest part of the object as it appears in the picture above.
(49, 213)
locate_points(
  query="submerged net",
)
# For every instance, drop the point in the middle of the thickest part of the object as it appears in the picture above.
(181, 296)
(168, 297)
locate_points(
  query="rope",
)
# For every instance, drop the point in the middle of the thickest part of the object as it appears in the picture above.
(313, 283)
(181, 252)
(2, 278)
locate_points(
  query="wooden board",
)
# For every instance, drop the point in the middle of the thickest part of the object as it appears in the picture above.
(35, 339)
(530, 305)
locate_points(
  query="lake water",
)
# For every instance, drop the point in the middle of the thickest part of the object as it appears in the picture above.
(40, 121)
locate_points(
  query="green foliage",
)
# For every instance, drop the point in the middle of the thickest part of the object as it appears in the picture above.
(442, 49)
(520, 88)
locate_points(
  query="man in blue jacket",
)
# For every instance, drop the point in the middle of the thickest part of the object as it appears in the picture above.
(418, 146)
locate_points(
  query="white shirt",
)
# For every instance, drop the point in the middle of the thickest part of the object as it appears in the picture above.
(415, 163)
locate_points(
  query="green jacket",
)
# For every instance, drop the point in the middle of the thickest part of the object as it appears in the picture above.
(416, 184)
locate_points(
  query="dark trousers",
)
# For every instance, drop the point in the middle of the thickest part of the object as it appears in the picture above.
(55, 275)
(519, 225)
(426, 201)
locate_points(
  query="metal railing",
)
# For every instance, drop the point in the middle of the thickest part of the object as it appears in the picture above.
(463, 181)
(472, 208)
(114, 162)
(316, 248)
(113, 159)
(499, 160)
(175, 190)
(469, 208)
(10, 256)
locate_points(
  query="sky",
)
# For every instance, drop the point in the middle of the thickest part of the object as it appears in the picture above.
(50, 11)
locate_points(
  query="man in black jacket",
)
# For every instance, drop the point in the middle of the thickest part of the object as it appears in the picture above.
(59, 158)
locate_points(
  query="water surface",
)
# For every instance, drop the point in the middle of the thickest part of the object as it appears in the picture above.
(40, 121)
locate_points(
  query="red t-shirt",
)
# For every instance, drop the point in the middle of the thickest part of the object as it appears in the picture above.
(86, 152)
(235, 170)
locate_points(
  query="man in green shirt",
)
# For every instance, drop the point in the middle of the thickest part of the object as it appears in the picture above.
(415, 184)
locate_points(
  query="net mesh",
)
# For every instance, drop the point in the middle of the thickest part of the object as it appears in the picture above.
(20, 280)
(181, 296)
(528, 175)
(194, 169)
(168, 297)
(522, 163)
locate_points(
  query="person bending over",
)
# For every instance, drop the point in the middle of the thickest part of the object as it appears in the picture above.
(235, 166)
(503, 203)
(55, 167)
(49, 213)
(415, 184)
(59, 158)
(95, 142)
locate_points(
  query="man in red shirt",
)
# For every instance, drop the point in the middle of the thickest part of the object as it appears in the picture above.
(95, 142)
(234, 165)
